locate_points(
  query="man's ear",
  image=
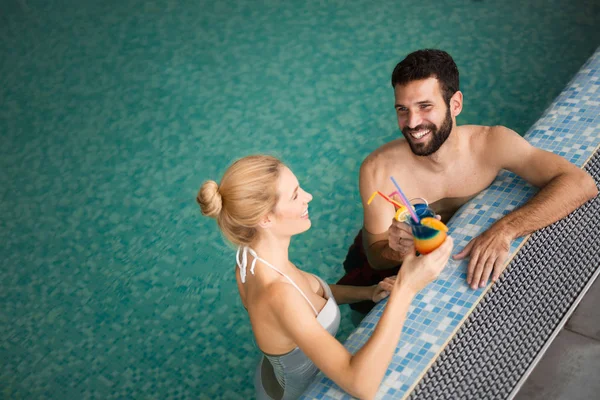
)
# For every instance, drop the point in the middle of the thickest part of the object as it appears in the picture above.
(456, 103)
(266, 221)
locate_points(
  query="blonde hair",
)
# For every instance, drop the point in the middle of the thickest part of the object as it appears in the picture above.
(247, 192)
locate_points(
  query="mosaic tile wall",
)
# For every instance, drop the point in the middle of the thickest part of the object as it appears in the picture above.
(570, 128)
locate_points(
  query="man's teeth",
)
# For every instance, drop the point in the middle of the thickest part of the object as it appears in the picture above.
(419, 135)
(305, 213)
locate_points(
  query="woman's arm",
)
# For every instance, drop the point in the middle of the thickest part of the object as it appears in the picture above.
(344, 294)
(360, 375)
(351, 294)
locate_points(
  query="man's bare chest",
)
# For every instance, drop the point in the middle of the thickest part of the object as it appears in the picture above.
(447, 193)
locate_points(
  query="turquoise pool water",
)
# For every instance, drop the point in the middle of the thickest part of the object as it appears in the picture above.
(114, 112)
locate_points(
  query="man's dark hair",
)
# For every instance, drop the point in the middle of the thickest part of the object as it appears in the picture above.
(428, 63)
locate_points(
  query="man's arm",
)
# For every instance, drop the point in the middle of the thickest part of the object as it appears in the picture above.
(344, 294)
(563, 188)
(379, 254)
(379, 228)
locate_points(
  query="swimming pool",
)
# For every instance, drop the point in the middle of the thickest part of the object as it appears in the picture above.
(114, 113)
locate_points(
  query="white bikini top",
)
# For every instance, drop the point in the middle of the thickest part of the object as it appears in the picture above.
(242, 262)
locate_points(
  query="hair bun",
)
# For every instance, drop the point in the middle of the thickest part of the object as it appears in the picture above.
(210, 199)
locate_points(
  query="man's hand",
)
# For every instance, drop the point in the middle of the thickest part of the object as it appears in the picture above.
(400, 238)
(488, 253)
(383, 289)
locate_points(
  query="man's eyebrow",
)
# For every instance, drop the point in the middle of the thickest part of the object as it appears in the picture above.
(422, 102)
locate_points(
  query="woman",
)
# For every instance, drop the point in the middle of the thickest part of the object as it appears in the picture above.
(259, 206)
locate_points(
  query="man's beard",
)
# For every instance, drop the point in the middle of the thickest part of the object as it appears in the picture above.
(438, 136)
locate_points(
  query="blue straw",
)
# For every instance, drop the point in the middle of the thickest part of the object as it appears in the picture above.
(412, 212)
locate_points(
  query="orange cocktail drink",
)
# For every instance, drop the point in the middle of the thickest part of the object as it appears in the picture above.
(429, 233)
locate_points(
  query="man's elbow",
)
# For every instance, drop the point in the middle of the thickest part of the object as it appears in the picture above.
(378, 266)
(374, 261)
(378, 259)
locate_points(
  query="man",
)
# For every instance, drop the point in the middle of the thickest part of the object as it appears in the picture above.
(448, 165)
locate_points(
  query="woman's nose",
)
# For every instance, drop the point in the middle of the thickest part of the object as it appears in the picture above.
(308, 197)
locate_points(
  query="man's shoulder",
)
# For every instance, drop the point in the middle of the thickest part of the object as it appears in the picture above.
(484, 136)
(474, 131)
(492, 145)
(385, 161)
(386, 154)
(484, 131)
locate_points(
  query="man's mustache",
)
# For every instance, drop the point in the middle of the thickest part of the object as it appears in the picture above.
(430, 127)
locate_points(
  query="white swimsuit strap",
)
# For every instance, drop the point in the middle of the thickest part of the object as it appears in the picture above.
(242, 263)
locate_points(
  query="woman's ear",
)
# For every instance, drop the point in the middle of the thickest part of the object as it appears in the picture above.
(266, 221)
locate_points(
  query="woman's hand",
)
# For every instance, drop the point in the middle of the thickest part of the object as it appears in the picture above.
(383, 289)
(418, 272)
